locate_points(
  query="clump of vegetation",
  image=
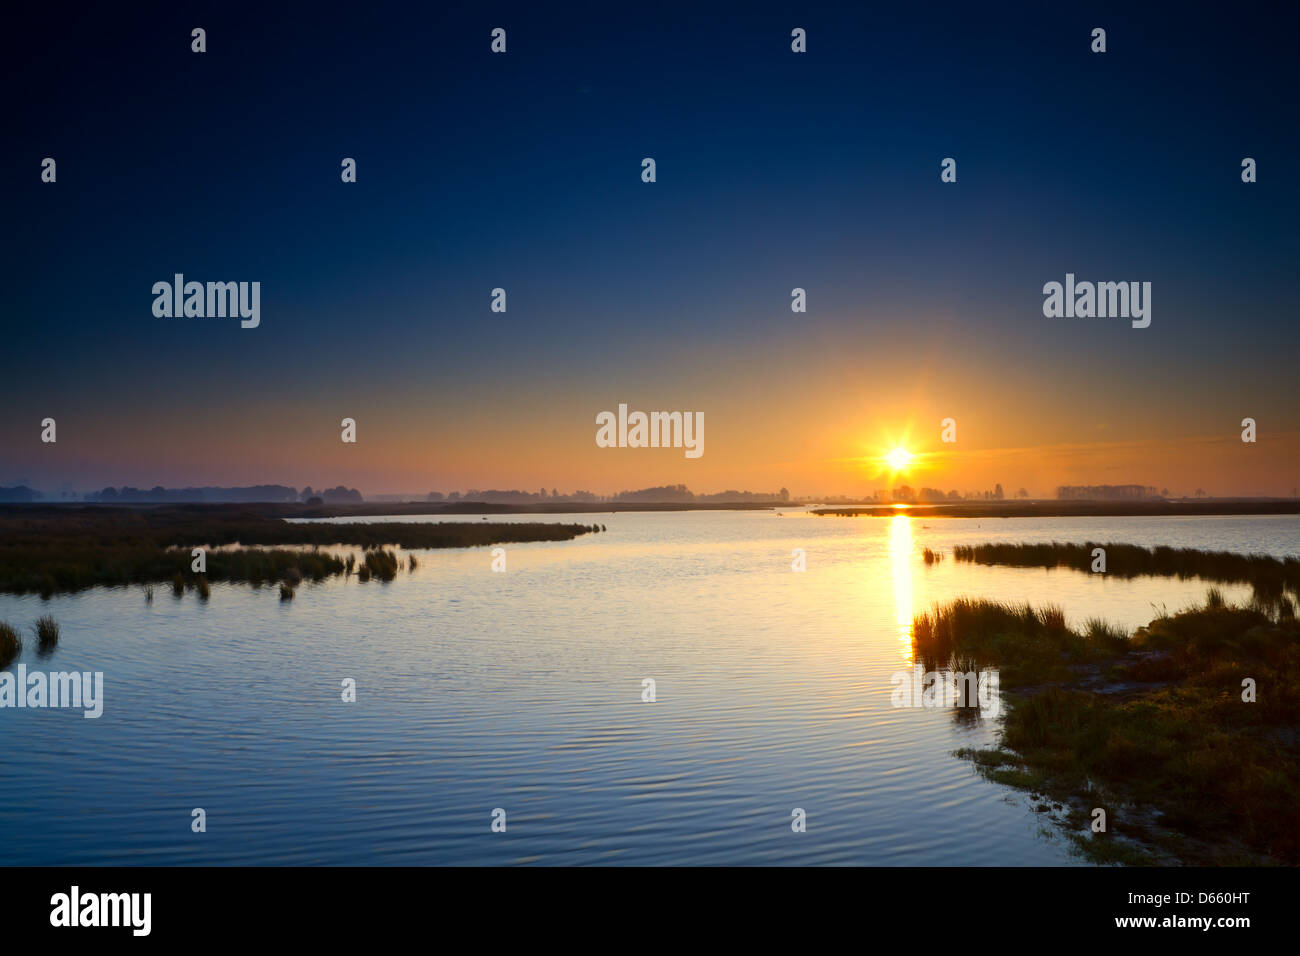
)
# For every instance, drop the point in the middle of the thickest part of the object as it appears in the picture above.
(1271, 578)
(363, 573)
(932, 557)
(148, 594)
(11, 644)
(202, 586)
(286, 591)
(1155, 727)
(381, 564)
(411, 563)
(178, 584)
(47, 633)
(1028, 645)
(52, 548)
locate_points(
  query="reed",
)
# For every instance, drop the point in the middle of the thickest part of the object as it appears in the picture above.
(1154, 720)
(381, 564)
(50, 549)
(47, 633)
(11, 644)
(1271, 578)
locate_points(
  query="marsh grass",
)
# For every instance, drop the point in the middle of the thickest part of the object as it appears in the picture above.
(381, 564)
(932, 557)
(11, 644)
(46, 630)
(48, 549)
(1029, 645)
(286, 591)
(1270, 578)
(1155, 721)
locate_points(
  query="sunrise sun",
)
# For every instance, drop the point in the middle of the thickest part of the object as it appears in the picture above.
(899, 458)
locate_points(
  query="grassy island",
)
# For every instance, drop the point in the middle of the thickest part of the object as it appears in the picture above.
(1184, 732)
(50, 549)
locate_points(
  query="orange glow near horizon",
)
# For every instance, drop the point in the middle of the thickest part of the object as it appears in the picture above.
(505, 442)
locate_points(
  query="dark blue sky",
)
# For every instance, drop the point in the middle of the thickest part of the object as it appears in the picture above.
(774, 170)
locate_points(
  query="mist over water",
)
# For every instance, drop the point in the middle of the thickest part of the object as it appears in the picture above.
(522, 690)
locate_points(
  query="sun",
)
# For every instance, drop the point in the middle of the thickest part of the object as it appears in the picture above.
(899, 458)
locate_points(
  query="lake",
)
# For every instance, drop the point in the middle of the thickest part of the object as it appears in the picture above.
(522, 690)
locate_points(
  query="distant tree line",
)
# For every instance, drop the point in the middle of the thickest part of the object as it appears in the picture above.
(19, 493)
(1107, 492)
(937, 495)
(659, 494)
(217, 495)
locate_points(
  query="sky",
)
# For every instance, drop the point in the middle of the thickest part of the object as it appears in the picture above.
(775, 170)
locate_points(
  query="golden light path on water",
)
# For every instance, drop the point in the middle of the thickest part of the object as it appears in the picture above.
(900, 554)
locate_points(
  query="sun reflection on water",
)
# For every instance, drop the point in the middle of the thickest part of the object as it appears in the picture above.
(900, 555)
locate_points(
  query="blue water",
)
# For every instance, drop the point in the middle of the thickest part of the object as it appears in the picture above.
(522, 691)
